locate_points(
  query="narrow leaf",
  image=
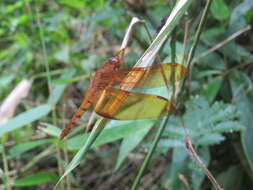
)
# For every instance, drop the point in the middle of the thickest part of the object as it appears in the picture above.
(130, 142)
(25, 118)
(38, 178)
(210, 139)
(24, 147)
(119, 131)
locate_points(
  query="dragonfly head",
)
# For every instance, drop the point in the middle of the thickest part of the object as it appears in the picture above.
(117, 60)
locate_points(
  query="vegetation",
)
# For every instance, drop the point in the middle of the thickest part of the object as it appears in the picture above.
(48, 51)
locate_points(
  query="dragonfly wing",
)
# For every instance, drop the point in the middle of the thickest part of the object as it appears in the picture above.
(124, 105)
(150, 77)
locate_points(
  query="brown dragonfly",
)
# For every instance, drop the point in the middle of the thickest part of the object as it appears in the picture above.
(122, 104)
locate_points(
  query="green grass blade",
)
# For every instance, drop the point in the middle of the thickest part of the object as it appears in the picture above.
(38, 178)
(25, 118)
(81, 153)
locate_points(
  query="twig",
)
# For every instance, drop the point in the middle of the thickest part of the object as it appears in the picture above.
(173, 45)
(37, 158)
(195, 42)
(222, 43)
(194, 156)
(44, 50)
(186, 32)
(188, 143)
(185, 181)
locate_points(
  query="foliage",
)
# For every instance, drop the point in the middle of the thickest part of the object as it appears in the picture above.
(205, 124)
(58, 44)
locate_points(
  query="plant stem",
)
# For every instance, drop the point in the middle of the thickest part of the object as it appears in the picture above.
(198, 32)
(188, 143)
(59, 163)
(195, 43)
(162, 126)
(173, 46)
(224, 42)
(149, 155)
(186, 31)
(38, 157)
(173, 60)
(161, 38)
(6, 169)
(44, 51)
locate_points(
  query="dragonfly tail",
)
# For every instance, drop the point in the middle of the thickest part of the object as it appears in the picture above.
(79, 112)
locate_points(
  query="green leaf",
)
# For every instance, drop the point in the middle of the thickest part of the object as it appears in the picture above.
(209, 139)
(96, 131)
(237, 52)
(249, 16)
(170, 143)
(220, 10)
(24, 147)
(38, 178)
(214, 58)
(243, 97)
(178, 165)
(227, 126)
(25, 118)
(6, 80)
(237, 20)
(207, 73)
(62, 54)
(204, 121)
(88, 141)
(131, 141)
(233, 178)
(51, 130)
(201, 116)
(212, 88)
(197, 174)
(117, 130)
(174, 128)
(212, 34)
(68, 80)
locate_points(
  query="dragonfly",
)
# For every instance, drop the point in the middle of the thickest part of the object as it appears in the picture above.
(120, 103)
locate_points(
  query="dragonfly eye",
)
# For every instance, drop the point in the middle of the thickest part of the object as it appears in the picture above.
(114, 60)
